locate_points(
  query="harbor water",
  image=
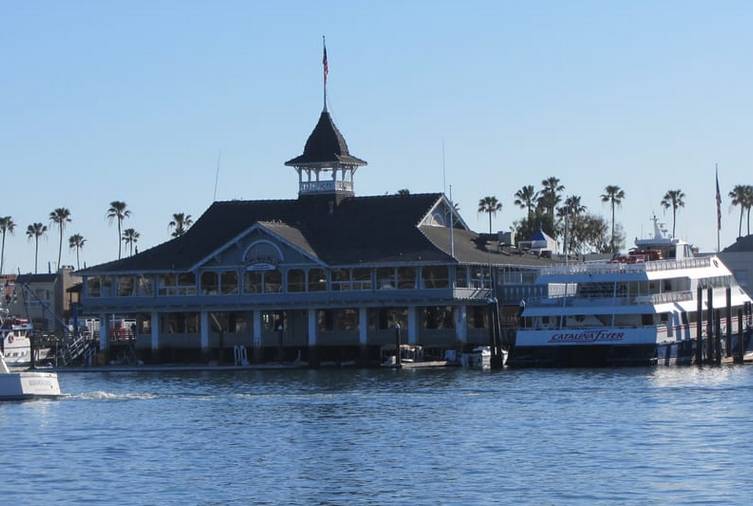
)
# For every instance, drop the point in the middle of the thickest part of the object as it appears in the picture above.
(632, 436)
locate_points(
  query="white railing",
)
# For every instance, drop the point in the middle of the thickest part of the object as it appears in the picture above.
(325, 186)
(616, 267)
(581, 300)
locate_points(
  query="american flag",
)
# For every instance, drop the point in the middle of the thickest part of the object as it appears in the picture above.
(324, 60)
(718, 202)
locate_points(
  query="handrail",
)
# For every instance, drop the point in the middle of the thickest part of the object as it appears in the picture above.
(613, 267)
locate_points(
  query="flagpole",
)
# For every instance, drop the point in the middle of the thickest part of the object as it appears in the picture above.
(325, 64)
(718, 211)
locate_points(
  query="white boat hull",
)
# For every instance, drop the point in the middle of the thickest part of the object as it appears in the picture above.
(28, 385)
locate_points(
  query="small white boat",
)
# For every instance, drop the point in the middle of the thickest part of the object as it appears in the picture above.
(15, 344)
(26, 384)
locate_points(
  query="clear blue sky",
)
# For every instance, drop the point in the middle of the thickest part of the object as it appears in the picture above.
(133, 100)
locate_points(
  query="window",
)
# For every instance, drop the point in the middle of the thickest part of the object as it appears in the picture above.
(145, 286)
(341, 279)
(386, 317)
(435, 277)
(337, 320)
(274, 321)
(177, 284)
(296, 281)
(125, 286)
(209, 283)
(362, 279)
(406, 278)
(438, 317)
(252, 282)
(461, 276)
(92, 287)
(478, 317)
(272, 281)
(180, 323)
(317, 280)
(386, 278)
(229, 282)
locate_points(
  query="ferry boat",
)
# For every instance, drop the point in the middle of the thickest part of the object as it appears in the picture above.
(14, 339)
(637, 309)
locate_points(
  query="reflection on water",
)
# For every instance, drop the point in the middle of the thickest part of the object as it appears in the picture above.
(453, 436)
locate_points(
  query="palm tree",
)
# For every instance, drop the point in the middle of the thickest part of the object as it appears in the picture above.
(674, 199)
(549, 196)
(571, 209)
(35, 231)
(180, 223)
(491, 206)
(748, 192)
(118, 211)
(60, 217)
(130, 237)
(738, 196)
(7, 225)
(76, 241)
(614, 195)
(526, 198)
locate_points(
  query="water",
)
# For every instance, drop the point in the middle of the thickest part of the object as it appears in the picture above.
(640, 436)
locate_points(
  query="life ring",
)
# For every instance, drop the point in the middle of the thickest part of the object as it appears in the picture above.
(10, 338)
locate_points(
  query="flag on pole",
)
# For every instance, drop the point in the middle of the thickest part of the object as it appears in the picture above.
(325, 64)
(718, 202)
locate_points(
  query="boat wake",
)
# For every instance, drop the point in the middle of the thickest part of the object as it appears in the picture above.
(100, 395)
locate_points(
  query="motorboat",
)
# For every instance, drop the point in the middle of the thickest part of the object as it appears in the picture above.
(24, 385)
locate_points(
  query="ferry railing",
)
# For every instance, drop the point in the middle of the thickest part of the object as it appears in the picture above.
(571, 300)
(614, 267)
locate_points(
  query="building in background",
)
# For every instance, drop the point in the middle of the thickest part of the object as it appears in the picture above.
(44, 298)
(738, 257)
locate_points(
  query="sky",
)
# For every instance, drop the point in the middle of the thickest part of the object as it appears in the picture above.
(134, 101)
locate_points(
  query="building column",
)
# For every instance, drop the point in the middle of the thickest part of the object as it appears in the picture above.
(256, 335)
(461, 324)
(204, 330)
(104, 333)
(155, 331)
(363, 326)
(313, 338)
(412, 325)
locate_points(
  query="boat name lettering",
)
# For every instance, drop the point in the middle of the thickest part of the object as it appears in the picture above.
(586, 336)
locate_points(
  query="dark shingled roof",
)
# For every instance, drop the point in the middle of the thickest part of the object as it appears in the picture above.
(325, 146)
(471, 248)
(742, 244)
(360, 229)
(36, 278)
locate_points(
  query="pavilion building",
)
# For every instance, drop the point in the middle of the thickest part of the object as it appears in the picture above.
(325, 276)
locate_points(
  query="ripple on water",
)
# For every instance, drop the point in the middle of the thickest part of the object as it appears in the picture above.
(300, 437)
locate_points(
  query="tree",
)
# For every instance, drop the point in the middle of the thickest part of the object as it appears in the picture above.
(591, 234)
(748, 192)
(539, 220)
(76, 241)
(549, 196)
(118, 211)
(674, 199)
(491, 206)
(614, 195)
(568, 213)
(60, 217)
(738, 196)
(180, 223)
(526, 198)
(35, 231)
(403, 192)
(130, 237)
(7, 225)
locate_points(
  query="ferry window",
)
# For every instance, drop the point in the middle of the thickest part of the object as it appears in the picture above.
(438, 317)
(386, 278)
(664, 317)
(125, 286)
(252, 282)
(229, 282)
(92, 287)
(272, 281)
(317, 280)
(362, 279)
(579, 318)
(461, 276)
(406, 277)
(341, 279)
(435, 277)
(296, 281)
(545, 320)
(209, 284)
(684, 318)
(647, 319)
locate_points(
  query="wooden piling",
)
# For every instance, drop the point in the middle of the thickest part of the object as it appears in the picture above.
(398, 359)
(699, 326)
(728, 337)
(740, 352)
(710, 326)
(718, 337)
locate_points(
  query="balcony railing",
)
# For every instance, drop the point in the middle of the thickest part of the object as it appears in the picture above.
(326, 186)
(615, 267)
